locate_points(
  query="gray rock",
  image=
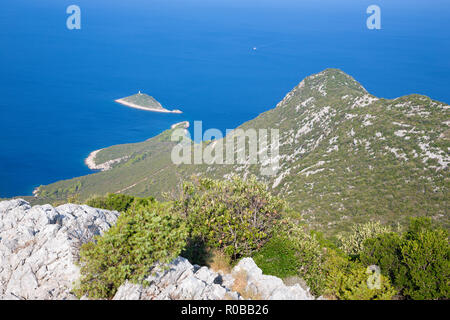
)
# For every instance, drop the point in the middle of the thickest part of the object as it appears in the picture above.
(268, 287)
(39, 246)
(181, 280)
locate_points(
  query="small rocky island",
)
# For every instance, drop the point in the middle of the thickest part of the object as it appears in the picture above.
(144, 102)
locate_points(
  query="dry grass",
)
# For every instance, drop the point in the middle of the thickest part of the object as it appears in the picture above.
(240, 281)
(240, 285)
(219, 262)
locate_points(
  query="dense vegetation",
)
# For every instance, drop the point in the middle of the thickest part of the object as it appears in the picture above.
(145, 234)
(236, 218)
(326, 270)
(417, 261)
(118, 202)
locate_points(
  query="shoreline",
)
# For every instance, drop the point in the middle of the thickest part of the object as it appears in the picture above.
(105, 166)
(184, 123)
(135, 106)
(90, 160)
(36, 192)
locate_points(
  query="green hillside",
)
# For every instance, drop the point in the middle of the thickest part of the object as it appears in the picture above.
(345, 157)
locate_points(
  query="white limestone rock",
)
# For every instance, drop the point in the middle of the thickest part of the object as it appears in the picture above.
(269, 287)
(39, 246)
(179, 281)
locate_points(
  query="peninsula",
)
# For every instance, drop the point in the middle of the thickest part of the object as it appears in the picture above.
(144, 102)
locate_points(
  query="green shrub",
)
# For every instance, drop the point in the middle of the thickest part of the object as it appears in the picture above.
(353, 243)
(310, 255)
(427, 261)
(297, 252)
(417, 226)
(348, 280)
(385, 252)
(278, 258)
(234, 215)
(417, 262)
(294, 251)
(118, 202)
(144, 235)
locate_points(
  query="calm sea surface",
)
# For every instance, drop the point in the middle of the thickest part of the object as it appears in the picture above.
(57, 86)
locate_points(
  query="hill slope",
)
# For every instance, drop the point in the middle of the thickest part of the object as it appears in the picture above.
(345, 156)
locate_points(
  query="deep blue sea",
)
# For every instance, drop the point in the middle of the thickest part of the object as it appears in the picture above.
(57, 86)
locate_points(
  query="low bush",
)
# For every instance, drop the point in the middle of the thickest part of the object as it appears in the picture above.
(144, 235)
(298, 252)
(294, 252)
(385, 252)
(311, 256)
(417, 262)
(118, 202)
(353, 243)
(236, 216)
(278, 258)
(348, 280)
(427, 259)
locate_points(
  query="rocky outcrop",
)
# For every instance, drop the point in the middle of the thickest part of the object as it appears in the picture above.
(267, 287)
(181, 280)
(39, 246)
